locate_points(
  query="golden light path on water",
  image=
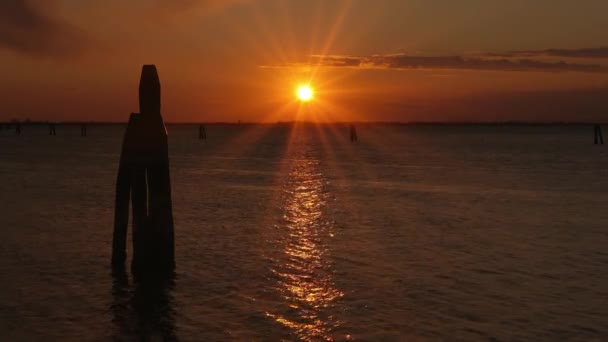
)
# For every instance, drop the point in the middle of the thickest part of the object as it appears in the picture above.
(303, 271)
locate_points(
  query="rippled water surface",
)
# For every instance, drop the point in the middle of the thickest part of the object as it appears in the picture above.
(293, 233)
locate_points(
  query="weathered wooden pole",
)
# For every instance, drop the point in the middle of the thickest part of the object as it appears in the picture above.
(18, 128)
(143, 179)
(83, 130)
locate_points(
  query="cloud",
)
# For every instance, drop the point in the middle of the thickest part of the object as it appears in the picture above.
(206, 4)
(596, 52)
(407, 62)
(164, 8)
(27, 27)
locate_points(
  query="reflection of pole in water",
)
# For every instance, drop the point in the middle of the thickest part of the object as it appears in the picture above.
(144, 313)
(143, 179)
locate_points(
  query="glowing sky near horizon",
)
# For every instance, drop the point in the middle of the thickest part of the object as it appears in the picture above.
(385, 60)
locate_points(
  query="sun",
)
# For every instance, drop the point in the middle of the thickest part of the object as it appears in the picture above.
(304, 93)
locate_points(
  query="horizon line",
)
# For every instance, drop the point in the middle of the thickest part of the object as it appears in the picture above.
(382, 122)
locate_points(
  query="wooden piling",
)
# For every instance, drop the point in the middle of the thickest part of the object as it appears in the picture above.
(598, 137)
(353, 133)
(83, 130)
(144, 174)
(123, 193)
(202, 132)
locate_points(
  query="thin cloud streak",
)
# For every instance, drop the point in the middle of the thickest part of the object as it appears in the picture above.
(596, 52)
(407, 62)
(171, 8)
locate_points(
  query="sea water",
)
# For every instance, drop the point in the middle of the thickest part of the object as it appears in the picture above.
(292, 232)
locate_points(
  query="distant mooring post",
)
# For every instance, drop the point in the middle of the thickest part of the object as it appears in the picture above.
(353, 133)
(52, 130)
(598, 137)
(202, 132)
(143, 179)
(18, 128)
(83, 130)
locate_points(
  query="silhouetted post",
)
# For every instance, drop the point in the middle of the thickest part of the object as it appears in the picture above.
(18, 128)
(202, 132)
(143, 179)
(83, 130)
(598, 137)
(353, 133)
(52, 130)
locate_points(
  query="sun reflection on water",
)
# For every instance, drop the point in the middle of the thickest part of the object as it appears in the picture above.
(303, 271)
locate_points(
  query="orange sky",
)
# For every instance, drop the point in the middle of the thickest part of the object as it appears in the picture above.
(381, 60)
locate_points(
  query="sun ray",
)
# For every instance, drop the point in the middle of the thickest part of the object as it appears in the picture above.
(338, 22)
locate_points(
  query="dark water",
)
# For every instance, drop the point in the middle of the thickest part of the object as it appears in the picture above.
(282, 233)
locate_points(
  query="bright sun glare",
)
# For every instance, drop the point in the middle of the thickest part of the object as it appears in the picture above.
(304, 93)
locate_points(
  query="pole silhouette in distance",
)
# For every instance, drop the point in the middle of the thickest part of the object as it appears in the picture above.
(143, 179)
(598, 137)
(202, 132)
(353, 133)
